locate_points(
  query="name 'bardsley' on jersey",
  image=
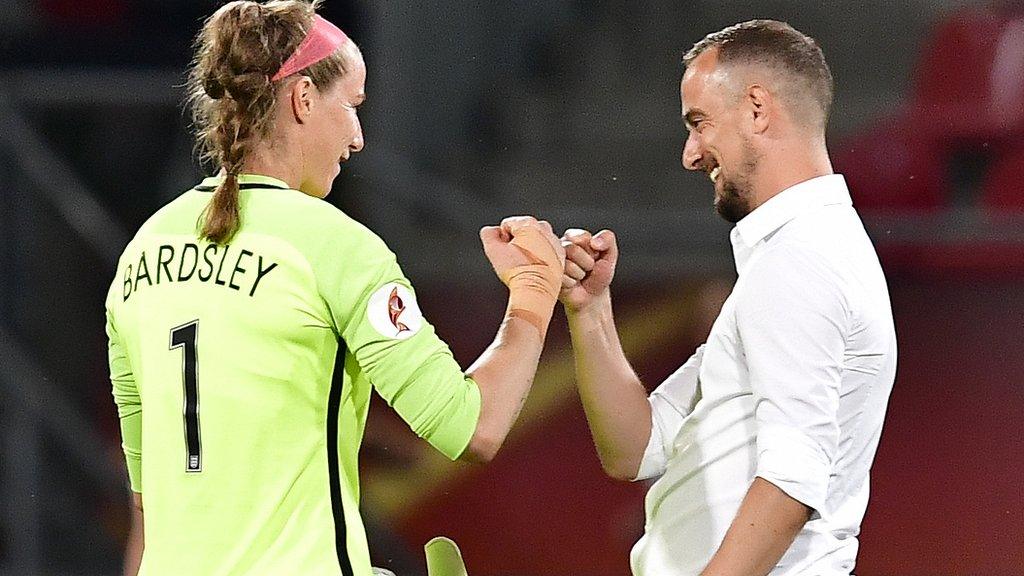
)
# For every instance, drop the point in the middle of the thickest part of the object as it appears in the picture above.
(183, 263)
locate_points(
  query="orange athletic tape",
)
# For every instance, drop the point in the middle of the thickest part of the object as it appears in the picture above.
(533, 288)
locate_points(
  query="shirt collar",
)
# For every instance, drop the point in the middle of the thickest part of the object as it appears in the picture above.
(257, 179)
(790, 203)
(780, 209)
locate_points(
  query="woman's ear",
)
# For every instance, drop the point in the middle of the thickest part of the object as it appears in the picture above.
(301, 97)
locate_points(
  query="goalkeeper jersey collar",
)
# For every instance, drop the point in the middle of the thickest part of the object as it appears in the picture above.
(245, 182)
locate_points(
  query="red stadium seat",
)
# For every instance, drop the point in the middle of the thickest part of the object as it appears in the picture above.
(1003, 188)
(1002, 193)
(969, 83)
(892, 167)
(84, 14)
(968, 95)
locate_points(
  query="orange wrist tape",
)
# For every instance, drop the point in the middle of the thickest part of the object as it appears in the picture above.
(533, 288)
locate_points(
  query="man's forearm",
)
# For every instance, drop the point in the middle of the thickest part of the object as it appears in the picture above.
(613, 398)
(764, 528)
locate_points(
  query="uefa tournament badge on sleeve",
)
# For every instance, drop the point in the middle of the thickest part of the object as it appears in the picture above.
(393, 312)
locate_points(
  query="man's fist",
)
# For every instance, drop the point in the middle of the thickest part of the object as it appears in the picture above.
(589, 267)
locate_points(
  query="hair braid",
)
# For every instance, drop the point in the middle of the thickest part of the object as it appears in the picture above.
(222, 216)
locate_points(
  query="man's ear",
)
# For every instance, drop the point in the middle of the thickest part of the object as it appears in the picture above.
(761, 105)
(302, 99)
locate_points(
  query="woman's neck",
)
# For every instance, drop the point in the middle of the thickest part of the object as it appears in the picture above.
(264, 162)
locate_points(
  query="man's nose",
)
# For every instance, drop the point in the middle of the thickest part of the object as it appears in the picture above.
(692, 155)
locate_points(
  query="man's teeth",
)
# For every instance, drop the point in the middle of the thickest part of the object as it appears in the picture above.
(714, 173)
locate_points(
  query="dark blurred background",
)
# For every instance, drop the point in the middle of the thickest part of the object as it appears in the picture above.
(569, 110)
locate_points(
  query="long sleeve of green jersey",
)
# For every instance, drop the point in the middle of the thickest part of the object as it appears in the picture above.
(129, 404)
(373, 309)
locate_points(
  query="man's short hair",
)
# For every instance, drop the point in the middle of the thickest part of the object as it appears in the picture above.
(780, 47)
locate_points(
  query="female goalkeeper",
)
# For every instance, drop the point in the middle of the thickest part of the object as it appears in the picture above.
(233, 302)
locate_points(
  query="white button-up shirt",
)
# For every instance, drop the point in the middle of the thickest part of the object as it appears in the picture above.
(791, 386)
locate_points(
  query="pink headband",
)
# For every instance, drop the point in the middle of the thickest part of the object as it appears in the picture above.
(323, 39)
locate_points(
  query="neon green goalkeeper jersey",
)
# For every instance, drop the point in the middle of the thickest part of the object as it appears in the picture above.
(241, 442)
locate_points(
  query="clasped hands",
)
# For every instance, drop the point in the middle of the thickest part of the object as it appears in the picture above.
(577, 268)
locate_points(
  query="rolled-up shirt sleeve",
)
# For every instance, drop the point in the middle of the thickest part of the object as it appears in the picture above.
(793, 322)
(671, 402)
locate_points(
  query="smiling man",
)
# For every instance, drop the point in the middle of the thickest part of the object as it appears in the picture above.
(763, 440)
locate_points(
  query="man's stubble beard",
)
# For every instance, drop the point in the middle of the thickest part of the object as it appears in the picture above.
(737, 197)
